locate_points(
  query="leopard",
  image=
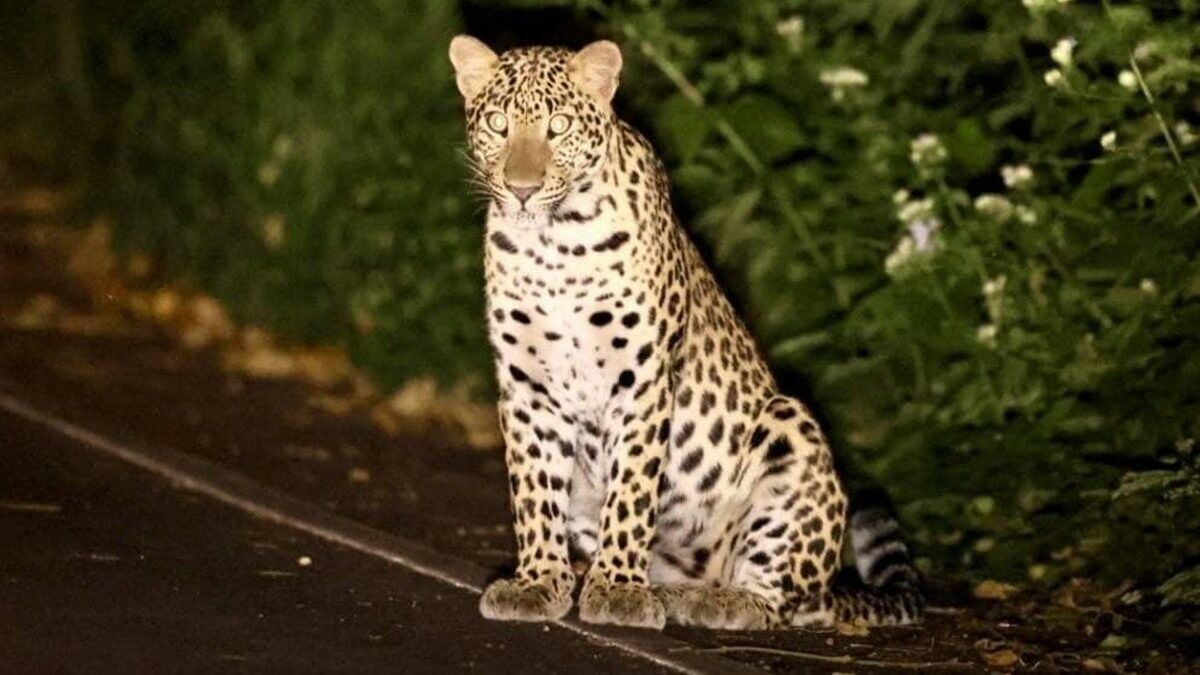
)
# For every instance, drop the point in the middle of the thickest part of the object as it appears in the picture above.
(648, 448)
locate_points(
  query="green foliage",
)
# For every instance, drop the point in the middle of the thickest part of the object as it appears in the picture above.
(299, 160)
(912, 200)
(1018, 338)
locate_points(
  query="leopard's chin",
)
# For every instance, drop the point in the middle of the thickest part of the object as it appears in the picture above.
(528, 220)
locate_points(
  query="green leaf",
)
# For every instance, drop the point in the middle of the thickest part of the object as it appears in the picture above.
(682, 128)
(767, 127)
(970, 147)
(1129, 18)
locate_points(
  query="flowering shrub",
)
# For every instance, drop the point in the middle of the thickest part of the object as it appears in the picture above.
(973, 229)
(968, 232)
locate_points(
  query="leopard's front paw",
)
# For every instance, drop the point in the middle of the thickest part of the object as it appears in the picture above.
(621, 604)
(523, 600)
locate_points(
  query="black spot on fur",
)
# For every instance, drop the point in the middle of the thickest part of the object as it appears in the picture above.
(717, 431)
(651, 468)
(503, 243)
(808, 570)
(692, 460)
(685, 432)
(758, 436)
(710, 479)
(614, 242)
(779, 448)
(644, 353)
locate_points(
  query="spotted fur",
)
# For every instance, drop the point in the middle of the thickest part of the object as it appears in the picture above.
(643, 431)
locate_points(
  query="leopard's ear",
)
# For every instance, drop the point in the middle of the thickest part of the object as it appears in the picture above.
(473, 63)
(597, 68)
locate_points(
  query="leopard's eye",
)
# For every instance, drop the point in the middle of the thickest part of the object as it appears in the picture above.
(559, 124)
(497, 122)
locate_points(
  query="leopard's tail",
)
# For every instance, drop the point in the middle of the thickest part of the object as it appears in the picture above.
(891, 592)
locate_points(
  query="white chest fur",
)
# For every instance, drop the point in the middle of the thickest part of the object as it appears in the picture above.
(562, 298)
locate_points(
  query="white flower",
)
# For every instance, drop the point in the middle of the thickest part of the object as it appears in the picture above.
(898, 258)
(995, 286)
(994, 206)
(987, 334)
(1148, 286)
(793, 25)
(922, 231)
(1127, 79)
(791, 29)
(920, 241)
(1063, 52)
(1016, 177)
(1053, 77)
(917, 209)
(1042, 5)
(1185, 133)
(843, 78)
(900, 197)
(927, 150)
(993, 297)
(1026, 215)
(1109, 141)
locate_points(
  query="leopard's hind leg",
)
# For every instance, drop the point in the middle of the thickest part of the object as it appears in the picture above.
(785, 547)
(789, 544)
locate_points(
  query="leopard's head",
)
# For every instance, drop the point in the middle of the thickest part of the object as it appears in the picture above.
(539, 120)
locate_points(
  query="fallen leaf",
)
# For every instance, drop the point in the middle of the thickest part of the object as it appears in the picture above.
(995, 590)
(39, 312)
(334, 405)
(1001, 658)
(1100, 665)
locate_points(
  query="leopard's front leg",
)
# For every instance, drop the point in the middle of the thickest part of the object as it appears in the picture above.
(616, 589)
(538, 452)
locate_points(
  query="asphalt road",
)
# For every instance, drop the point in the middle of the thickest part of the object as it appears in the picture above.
(108, 568)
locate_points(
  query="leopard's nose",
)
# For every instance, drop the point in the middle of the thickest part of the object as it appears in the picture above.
(523, 192)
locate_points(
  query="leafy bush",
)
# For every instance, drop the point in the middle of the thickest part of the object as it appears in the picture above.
(970, 230)
(298, 159)
(977, 236)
